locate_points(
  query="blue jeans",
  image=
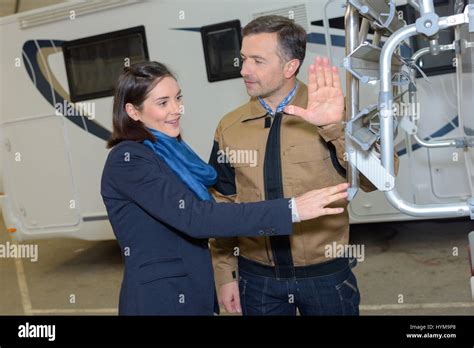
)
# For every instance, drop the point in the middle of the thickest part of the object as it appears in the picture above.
(333, 294)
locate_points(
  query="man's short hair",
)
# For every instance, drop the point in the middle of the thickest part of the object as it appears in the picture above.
(291, 36)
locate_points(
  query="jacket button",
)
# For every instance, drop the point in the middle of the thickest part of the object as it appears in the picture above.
(261, 232)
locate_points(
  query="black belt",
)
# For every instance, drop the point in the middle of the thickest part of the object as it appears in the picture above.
(317, 270)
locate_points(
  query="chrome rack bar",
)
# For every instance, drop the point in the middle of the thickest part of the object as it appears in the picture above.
(351, 20)
(428, 24)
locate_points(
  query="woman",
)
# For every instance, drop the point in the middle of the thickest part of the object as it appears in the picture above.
(155, 189)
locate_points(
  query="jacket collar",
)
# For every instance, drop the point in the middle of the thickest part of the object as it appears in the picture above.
(257, 111)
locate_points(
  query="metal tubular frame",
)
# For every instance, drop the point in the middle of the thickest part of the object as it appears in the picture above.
(387, 120)
(351, 19)
(327, 34)
(433, 143)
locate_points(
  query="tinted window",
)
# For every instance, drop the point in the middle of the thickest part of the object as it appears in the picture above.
(93, 64)
(221, 44)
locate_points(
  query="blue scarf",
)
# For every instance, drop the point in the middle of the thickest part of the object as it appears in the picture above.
(191, 169)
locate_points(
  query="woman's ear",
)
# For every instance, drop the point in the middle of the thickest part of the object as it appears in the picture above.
(132, 111)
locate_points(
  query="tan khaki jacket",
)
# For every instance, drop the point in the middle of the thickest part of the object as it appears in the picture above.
(305, 165)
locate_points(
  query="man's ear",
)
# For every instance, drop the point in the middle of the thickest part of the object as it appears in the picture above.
(132, 111)
(291, 67)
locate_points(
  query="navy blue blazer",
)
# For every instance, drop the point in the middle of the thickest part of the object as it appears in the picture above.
(162, 229)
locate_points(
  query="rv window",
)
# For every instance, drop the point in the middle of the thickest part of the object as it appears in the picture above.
(221, 44)
(93, 64)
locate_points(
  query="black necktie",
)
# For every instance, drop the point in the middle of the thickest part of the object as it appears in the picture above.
(281, 248)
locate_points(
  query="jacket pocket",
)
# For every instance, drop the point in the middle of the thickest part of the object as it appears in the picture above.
(245, 163)
(309, 167)
(308, 152)
(243, 158)
(246, 195)
(161, 268)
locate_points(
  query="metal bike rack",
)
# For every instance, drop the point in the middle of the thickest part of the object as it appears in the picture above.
(361, 61)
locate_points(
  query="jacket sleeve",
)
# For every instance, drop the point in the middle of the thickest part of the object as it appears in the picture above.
(334, 135)
(141, 179)
(224, 250)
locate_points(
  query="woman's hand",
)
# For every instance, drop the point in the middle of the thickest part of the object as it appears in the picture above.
(313, 204)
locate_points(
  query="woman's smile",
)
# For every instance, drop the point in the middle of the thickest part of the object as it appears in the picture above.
(174, 123)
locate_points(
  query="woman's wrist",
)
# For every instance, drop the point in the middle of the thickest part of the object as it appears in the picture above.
(295, 217)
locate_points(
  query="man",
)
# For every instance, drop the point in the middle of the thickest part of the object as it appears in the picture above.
(273, 275)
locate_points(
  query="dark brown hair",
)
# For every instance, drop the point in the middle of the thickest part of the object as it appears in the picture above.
(291, 36)
(133, 87)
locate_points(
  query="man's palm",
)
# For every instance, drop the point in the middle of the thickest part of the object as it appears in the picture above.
(325, 98)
